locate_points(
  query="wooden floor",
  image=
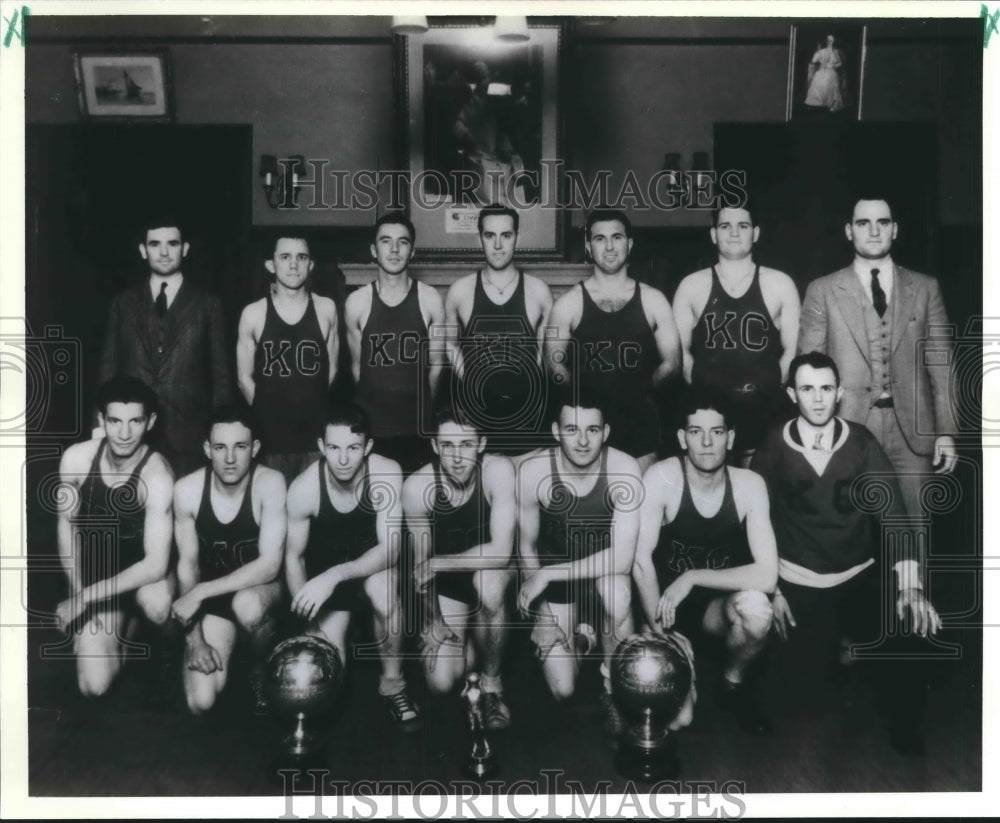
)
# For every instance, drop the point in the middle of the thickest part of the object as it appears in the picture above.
(828, 737)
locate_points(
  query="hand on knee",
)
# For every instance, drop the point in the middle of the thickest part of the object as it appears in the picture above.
(750, 611)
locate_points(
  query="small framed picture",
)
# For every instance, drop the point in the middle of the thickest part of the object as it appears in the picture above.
(124, 86)
(826, 71)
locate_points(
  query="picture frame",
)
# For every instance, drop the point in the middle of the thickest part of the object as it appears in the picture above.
(132, 85)
(826, 70)
(479, 120)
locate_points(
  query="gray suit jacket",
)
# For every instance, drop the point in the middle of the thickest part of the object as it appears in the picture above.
(194, 371)
(833, 322)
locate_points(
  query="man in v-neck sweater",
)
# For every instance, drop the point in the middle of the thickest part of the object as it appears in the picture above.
(286, 359)
(830, 554)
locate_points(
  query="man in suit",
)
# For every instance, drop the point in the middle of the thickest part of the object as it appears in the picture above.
(169, 333)
(870, 318)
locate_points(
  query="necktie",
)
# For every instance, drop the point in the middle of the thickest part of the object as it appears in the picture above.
(818, 442)
(161, 301)
(878, 296)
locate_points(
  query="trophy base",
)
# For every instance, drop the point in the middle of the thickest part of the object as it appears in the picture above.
(479, 768)
(648, 763)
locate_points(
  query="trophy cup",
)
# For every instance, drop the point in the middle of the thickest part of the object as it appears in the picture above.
(651, 676)
(303, 678)
(481, 762)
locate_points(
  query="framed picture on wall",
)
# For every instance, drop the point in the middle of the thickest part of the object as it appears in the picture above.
(826, 70)
(478, 123)
(124, 85)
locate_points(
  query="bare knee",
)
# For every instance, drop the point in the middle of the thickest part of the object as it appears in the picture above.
(750, 611)
(561, 684)
(94, 680)
(616, 594)
(492, 589)
(155, 600)
(200, 698)
(445, 674)
(250, 609)
(379, 589)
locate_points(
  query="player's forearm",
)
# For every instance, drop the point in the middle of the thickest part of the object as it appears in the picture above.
(247, 387)
(667, 367)
(598, 564)
(295, 574)
(688, 364)
(376, 559)
(754, 576)
(134, 577)
(646, 585)
(483, 557)
(256, 573)
(65, 542)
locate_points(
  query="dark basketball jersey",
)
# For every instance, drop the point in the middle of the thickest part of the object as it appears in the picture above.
(393, 387)
(503, 388)
(572, 527)
(735, 345)
(225, 547)
(616, 354)
(110, 522)
(291, 377)
(693, 541)
(337, 537)
(458, 528)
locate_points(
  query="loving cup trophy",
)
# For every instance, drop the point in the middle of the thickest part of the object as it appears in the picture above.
(651, 677)
(303, 678)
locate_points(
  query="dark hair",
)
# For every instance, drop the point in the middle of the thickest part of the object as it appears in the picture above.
(124, 389)
(600, 215)
(291, 234)
(817, 360)
(748, 206)
(232, 413)
(874, 194)
(395, 218)
(574, 395)
(496, 210)
(450, 413)
(350, 415)
(161, 220)
(699, 398)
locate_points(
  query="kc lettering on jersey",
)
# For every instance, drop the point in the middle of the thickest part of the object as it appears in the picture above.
(283, 358)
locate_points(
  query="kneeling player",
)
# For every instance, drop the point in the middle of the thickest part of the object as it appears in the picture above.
(110, 581)
(461, 512)
(706, 543)
(579, 518)
(344, 530)
(229, 522)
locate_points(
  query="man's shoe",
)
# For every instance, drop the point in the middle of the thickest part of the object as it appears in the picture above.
(403, 711)
(496, 715)
(614, 721)
(738, 700)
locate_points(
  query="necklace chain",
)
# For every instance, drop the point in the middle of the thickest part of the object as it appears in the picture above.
(501, 289)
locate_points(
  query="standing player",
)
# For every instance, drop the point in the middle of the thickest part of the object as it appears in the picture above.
(396, 357)
(120, 479)
(496, 320)
(579, 519)
(171, 335)
(830, 565)
(462, 512)
(706, 543)
(229, 523)
(344, 531)
(286, 359)
(738, 323)
(618, 336)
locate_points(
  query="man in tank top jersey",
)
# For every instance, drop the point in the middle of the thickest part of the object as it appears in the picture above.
(345, 522)
(834, 588)
(495, 325)
(229, 524)
(396, 351)
(286, 359)
(579, 518)
(618, 336)
(739, 323)
(706, 560)
(114, 529)
(461, 512)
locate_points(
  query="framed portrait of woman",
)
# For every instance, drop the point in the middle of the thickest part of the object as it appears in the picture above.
(826, 71)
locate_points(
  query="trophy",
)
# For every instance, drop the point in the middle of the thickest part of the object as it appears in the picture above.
(303, 678)
(481, 763)
(651, 676)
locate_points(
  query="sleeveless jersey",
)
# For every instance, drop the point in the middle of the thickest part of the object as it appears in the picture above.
(459, 528)
(693, 541)
(572, 527)
(291, 375)
(735, 345)
(225, 547)
(337, 537)
(100, 558)
(503, 388)
(393, 387)
(616, 354)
